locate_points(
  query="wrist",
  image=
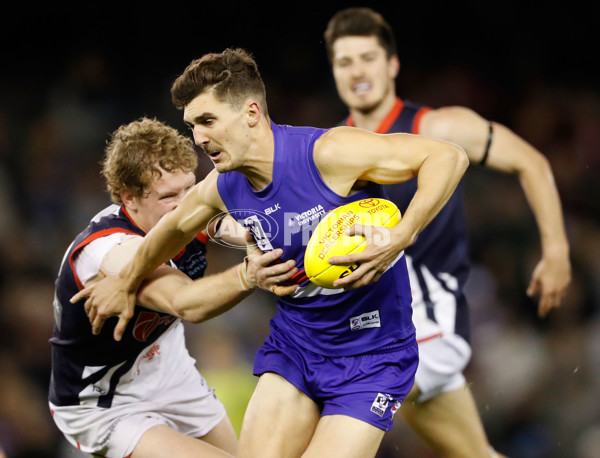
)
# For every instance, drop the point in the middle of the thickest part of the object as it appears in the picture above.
(555, 248)
(246, 283)
(130, 283)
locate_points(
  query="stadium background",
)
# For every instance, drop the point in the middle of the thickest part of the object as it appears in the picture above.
(71, 75)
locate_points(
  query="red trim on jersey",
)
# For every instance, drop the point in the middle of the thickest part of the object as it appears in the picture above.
(425, 339)
(298, 277)
(416, 126)
(126, 213)
(200, 236)
(91, 238)
(389, 119)
(387, 122)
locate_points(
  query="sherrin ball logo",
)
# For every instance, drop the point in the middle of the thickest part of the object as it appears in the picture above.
(330, 239)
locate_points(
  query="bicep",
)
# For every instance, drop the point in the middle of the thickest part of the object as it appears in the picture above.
(346, 155)
(398, 157)
(459, 125)
(507, 152)
(119, 255)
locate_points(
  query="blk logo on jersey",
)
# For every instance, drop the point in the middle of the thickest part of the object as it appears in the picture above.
(366, 320)
(272, 209)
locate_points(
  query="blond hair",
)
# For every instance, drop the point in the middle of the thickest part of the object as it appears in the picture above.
(136, 153)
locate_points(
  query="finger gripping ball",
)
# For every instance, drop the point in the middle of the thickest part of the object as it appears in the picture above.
(329, 238)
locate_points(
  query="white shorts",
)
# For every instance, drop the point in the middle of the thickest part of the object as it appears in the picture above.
(191, 409)
(442, 360)
(180, 398)
(443, 355)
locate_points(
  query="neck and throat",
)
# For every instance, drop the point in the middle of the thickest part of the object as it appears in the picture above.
(375, 119)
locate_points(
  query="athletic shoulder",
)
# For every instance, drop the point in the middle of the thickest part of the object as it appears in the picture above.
(442, 122)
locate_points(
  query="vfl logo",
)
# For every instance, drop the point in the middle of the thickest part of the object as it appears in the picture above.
(380, 404)
(369, 203)
(147, 322)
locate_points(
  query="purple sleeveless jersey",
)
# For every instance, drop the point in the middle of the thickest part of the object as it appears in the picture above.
(283, 215)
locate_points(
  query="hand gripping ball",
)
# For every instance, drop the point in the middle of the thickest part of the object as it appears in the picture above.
(329, 238)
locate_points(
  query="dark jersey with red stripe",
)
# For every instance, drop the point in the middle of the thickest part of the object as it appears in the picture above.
(74, 347)
(439, 256)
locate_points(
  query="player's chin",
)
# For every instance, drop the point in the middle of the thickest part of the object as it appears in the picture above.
(222, 167)
(365, 102)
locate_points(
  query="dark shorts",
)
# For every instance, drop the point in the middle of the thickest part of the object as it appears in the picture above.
(369, 387)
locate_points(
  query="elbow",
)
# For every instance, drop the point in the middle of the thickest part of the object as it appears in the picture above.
(195, 314)
(191, 317)
(461, 159)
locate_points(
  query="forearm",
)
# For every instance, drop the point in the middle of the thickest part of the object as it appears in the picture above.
(542, 195)
(510, 153)
(438, 177)
(162, 243)
(211, 296)
(195, 301)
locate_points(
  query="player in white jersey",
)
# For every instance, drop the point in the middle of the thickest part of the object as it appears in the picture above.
(141, 396)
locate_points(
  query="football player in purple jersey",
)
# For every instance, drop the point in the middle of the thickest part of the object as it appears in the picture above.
(325, 388)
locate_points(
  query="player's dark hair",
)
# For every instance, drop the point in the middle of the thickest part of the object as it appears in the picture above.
(232, 75)
(362, 22)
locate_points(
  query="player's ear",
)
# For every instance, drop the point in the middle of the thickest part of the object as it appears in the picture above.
(128, 199)
(253, 112)
(394, 65)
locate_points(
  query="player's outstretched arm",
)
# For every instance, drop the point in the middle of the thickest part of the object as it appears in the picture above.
(346, 156)
(169, 290)
(505, 151)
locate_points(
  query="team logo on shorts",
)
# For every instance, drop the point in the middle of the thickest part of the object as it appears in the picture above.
(380, 404)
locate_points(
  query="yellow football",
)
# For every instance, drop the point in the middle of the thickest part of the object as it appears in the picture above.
(329, 238)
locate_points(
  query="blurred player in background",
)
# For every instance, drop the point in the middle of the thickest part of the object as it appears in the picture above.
(141, 396)
(338, 362)
(362, 51)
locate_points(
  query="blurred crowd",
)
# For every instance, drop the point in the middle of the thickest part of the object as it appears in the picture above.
(537, 381)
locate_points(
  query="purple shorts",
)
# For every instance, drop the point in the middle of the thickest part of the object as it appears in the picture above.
(369, 386)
